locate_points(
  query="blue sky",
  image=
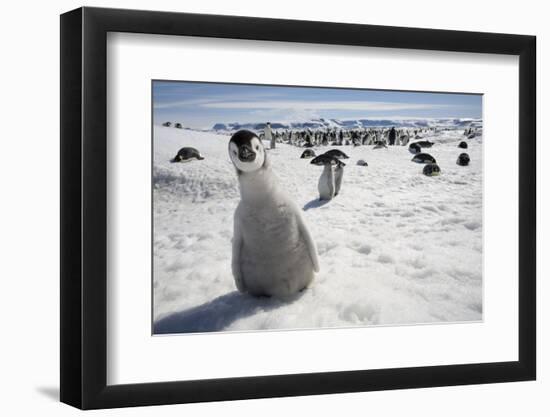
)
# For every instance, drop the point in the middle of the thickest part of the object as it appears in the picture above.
(201, 105)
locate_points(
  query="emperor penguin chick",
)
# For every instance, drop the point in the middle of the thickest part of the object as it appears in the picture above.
(338, 175)
(327, 184)
(273, 251)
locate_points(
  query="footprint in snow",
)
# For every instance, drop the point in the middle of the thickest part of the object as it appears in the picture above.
(386, 259)
(472, 225)
(362, 249)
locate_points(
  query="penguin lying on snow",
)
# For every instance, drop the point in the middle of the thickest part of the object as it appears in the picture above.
(330, 180)
(424, 143)
(308, 153)
(463, 159)
(414, 148)
(463, 145)
(362, 163)
(423, 158)
(431, 170)
(337, 153)
(186, 154)
(273, 251)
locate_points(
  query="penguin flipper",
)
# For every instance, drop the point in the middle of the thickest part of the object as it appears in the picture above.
(312, 248)
(236, 256)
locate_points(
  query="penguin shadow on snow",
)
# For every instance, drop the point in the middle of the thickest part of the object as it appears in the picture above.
(315, 203)
(219, 313)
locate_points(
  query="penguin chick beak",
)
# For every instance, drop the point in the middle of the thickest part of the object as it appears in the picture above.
(246, 154)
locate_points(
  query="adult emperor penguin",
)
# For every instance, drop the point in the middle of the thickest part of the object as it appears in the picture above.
(273, 251)
(268, 133)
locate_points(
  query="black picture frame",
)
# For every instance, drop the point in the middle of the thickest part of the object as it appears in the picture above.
(84, 207)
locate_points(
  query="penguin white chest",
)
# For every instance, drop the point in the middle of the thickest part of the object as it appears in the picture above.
(326, 183)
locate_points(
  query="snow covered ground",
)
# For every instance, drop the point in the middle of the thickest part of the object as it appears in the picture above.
(395, 247)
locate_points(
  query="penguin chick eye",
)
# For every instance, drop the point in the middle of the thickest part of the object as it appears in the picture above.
(234, 152)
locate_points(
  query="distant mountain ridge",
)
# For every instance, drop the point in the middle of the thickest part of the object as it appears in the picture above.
(322, 123)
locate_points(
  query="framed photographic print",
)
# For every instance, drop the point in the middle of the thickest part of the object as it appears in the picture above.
(257, 207)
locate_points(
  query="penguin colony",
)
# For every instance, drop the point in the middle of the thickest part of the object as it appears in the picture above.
(274, 253)
(330, 181)
(331, 177)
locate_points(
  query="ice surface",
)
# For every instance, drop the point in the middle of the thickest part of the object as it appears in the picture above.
(395, 246)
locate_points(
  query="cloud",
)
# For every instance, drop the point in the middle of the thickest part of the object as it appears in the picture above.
(181, 103)
(215, 100)
(321, 105)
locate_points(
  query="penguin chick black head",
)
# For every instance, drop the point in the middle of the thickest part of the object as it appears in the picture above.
(246, 151)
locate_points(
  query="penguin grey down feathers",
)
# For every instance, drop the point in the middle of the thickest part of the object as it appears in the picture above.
(273, 251)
